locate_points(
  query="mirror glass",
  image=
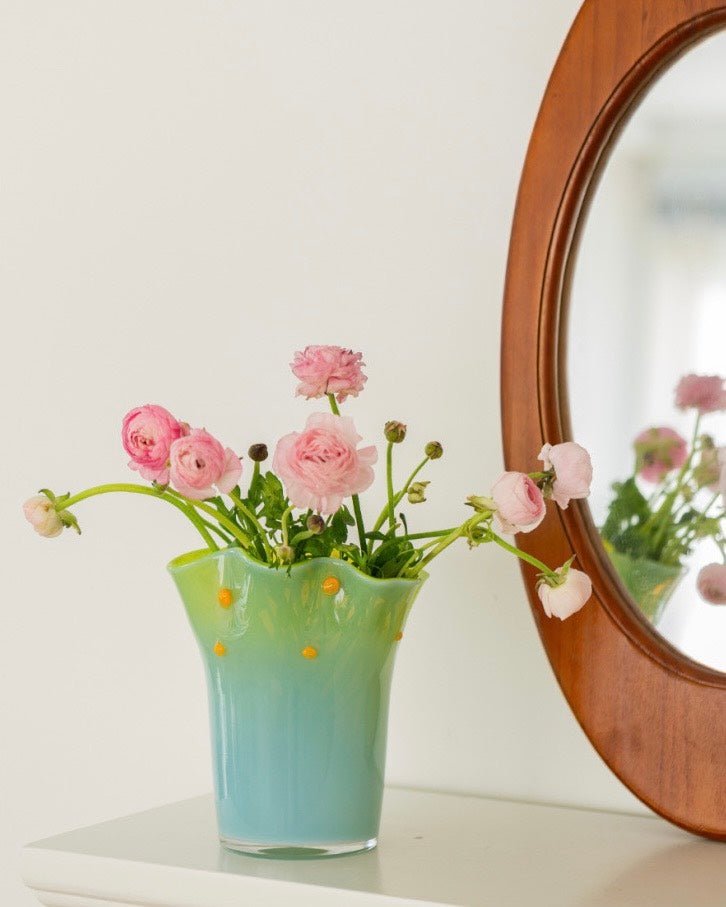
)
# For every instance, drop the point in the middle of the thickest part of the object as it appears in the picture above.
(646, 354)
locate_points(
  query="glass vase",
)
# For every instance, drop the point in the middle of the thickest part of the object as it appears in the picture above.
(298, 664)
(650, 583)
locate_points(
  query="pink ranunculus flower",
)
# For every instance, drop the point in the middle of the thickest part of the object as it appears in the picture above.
(658, 451)
(711, 583)
(322, 464)
(520, 505)
(573, 471)
(42, 516)
(199, 465)
(328, 370)
(147, 434)
(706, 393)
(568, 596)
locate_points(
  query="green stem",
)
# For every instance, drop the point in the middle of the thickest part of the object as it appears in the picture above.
(356, 500)
(522, 555)
(130, 488)
(389, 485)
(399, 494)
(411, 536)
(440, 546)
(245, 511)
(284, 522)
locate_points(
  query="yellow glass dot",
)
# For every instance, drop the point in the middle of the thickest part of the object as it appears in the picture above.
(309, 652)
(398, 636)
(224, 597)
(220, 648)
(331, 584)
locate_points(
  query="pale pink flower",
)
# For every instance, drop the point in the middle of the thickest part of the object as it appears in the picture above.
(322, 464)
(328, 370)
(711, 583)
(568, 596)
(573, 471)
(520, 505)
(658, 451)
(199, 464)
(706, 393)
(147, 434)
(42, 516)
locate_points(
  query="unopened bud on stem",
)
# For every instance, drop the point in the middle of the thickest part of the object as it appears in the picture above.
(395, 432)
(315, 523)
(434, 450)
(258, 453)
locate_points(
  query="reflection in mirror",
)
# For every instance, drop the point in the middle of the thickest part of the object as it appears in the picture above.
(648, 310)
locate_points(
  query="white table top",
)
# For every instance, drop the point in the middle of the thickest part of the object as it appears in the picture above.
(435, 849)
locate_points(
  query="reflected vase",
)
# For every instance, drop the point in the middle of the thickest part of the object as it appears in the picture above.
(298, 664)
(650, 583)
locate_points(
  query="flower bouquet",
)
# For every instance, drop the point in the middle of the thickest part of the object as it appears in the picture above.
(673, 500)
(298, 604)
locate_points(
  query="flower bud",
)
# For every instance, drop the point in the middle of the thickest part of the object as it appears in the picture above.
(481, 504)
(434, 450)
(395, 432)
(285, 554)
(41, 514)
(315, 523)
(257, 453)
(417, 492)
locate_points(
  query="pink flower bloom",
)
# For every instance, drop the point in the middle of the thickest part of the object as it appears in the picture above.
(520, 505)
(658, 451)
(573, 471)
(568, 596)
(42, 516)
(328, 370)
(711, 584)
(706, 393)
(147, 434)
(322, 464)
(199, 463)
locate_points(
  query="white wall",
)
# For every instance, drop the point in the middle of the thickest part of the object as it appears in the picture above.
(191, 191)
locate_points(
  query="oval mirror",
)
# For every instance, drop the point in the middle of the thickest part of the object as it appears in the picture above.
(647, 349)
(603, 316)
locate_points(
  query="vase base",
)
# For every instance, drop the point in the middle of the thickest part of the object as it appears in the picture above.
(298, 851)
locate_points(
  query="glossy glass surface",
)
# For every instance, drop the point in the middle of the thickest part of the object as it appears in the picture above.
(648, 306)
(299, 667)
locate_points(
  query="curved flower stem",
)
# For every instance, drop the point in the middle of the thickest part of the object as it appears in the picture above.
(150, 492)
(522, 555)
(284, 524)
(242, 507)
(355, 499)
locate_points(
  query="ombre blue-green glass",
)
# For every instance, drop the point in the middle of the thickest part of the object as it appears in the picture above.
(299, 664)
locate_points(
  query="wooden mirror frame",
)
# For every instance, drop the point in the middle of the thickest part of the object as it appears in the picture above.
(657, 718)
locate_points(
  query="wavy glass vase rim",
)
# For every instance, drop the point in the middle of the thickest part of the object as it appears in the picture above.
(189, 559)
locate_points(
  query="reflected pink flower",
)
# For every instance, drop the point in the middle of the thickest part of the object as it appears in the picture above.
(658, 451)
(706, 393)
(711, 584)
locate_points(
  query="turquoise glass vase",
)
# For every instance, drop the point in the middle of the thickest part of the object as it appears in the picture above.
(298, 664)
